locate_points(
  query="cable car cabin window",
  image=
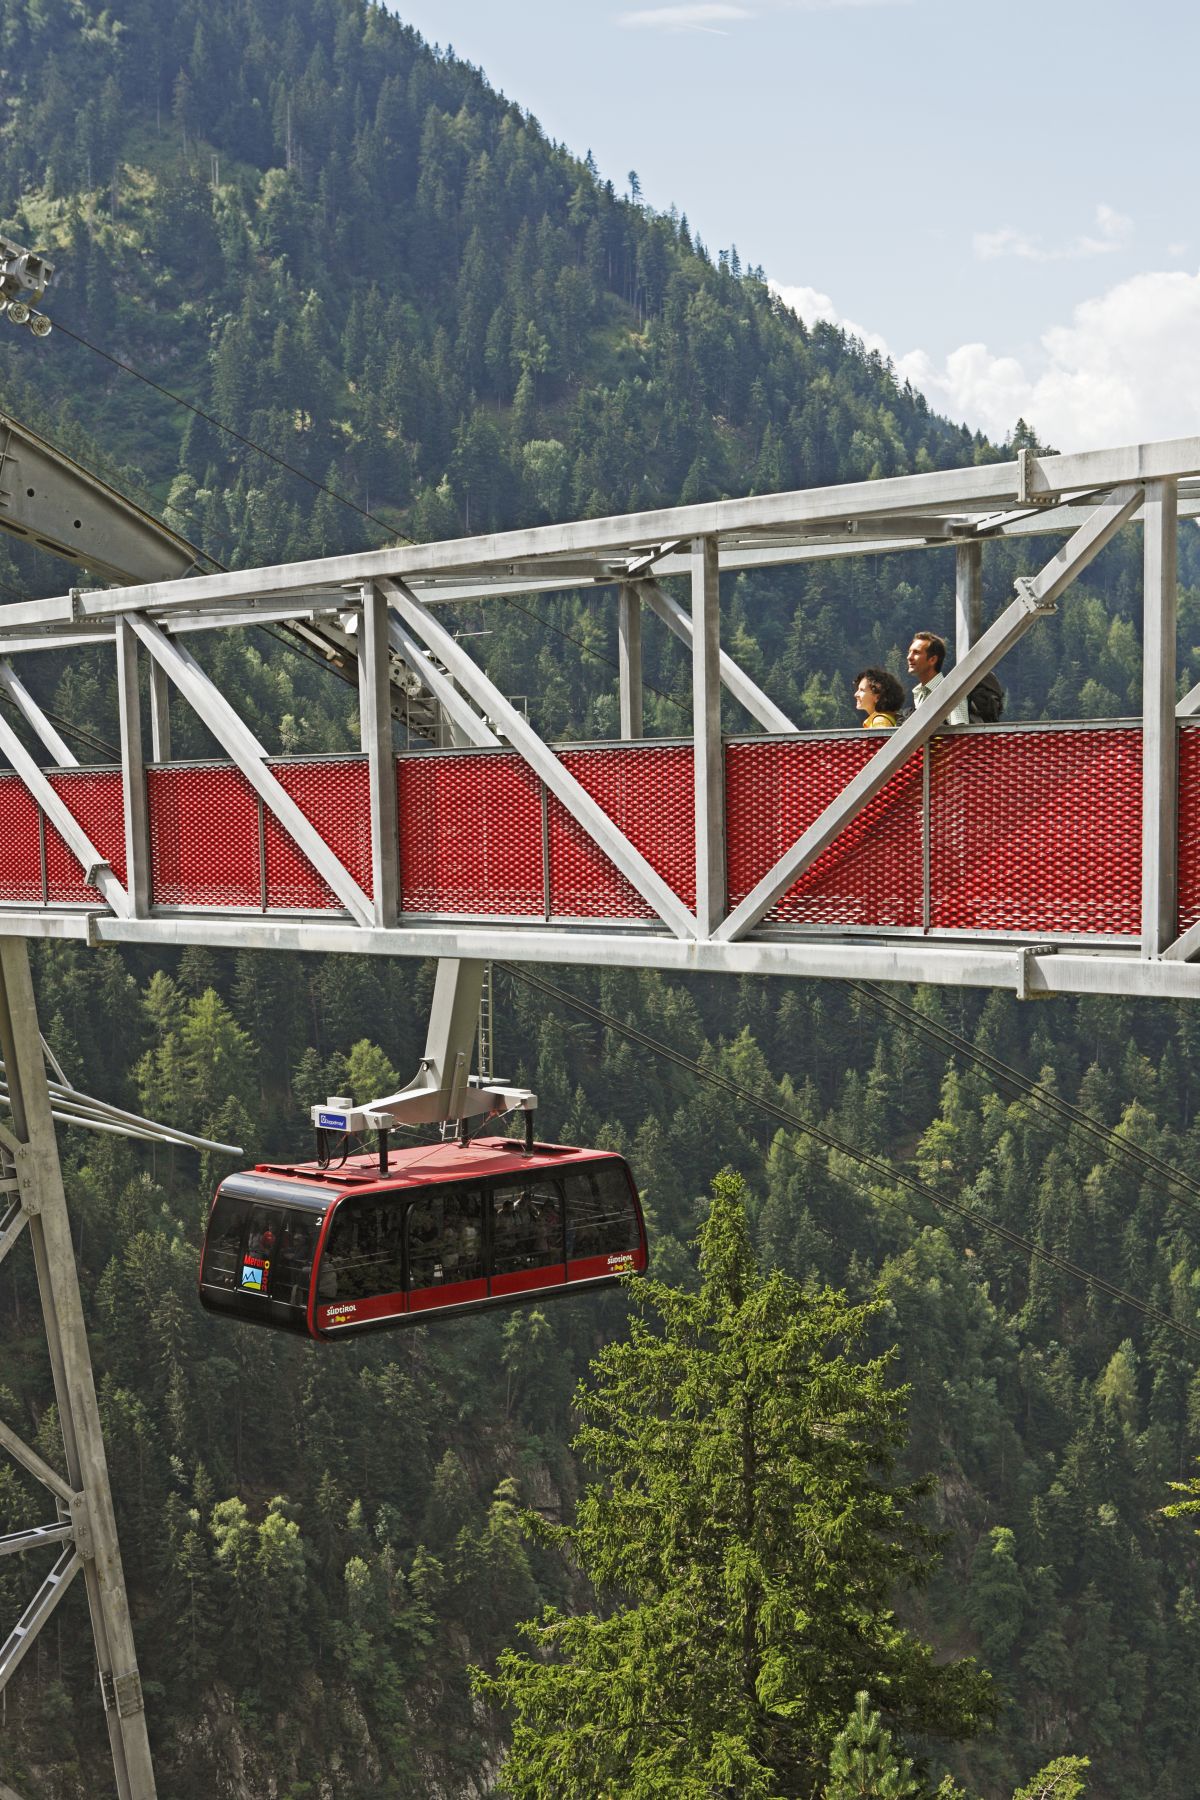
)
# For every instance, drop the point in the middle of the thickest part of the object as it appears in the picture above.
(445, 1237)
(447, 1258)
(528, 1248)
(603, 1232)
(362, 1265)
(258, 1261)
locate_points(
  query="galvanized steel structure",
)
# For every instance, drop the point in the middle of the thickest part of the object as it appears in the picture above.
(1049, 858)
(701, 853)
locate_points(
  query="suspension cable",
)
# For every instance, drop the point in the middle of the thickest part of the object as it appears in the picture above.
(884, 1171)
(250, 444)
(1063, 1111)
(393, 535)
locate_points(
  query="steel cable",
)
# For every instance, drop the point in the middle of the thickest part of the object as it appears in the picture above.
(1063, 1110)
(876, 1165)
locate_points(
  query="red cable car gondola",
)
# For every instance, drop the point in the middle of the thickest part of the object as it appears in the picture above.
(449, 1228)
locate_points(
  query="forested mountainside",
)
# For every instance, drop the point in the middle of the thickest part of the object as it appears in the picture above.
(354, 252)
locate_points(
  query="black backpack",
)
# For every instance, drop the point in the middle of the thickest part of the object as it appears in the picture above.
(985, 702)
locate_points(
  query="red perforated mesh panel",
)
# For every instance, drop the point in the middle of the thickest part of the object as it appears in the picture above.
(1031, 831)
(470, 834)
(1189, 825)
(20, 855)
(649, 793)
(93, 798)
(872, 873)
(1037, 831)
(203, 837)
(335, 797)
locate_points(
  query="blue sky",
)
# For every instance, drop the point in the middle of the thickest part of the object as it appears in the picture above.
(998, 197)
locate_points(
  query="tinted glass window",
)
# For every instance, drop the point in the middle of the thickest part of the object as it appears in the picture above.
(445, 1237)
(601, 1216)
(527, 1226)
(294, 1258)
(253, 1249)
(363, 1251)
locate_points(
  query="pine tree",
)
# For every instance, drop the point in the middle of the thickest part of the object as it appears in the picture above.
(1061, 1779)
(746, 1535)
(862, 1763)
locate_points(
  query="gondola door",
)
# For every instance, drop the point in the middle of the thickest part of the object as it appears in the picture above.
(528, 1235)
(447, 1253)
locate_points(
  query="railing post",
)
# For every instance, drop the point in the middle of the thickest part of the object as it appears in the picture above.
(375, 709)
(629, 658)
(968, 597)
(160, 715)
(133, 773)
(711, 885)
(1160, 757)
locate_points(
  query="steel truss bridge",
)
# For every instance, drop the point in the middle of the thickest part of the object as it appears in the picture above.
(1049, 858)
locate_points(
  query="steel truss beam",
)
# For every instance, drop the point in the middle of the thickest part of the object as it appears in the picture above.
(97, 872)
(746, 692)
(957, 508)
(559, 781)
(1034, 599)
(243, 748)
(84, 1498)
(1051, 968)
(47, 499)
(961, 498)
(53, 1589)
(1160, 762)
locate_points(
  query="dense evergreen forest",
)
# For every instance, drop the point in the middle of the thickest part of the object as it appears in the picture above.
(352, 251)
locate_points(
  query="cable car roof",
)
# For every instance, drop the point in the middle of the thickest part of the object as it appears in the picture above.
(419, 1164)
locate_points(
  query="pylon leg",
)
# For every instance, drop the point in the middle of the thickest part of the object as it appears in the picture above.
(33, 1150)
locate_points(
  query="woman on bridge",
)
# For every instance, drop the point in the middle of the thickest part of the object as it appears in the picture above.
(879, 695)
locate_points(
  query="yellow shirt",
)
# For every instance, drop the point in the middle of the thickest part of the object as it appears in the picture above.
(879, 718)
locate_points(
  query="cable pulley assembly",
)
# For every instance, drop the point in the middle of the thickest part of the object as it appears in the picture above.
(24, 278)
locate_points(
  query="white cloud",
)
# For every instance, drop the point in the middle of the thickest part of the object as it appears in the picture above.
(1125, 369)
(685, 18)
(815, 307)
(1112, 233)
(711, 17)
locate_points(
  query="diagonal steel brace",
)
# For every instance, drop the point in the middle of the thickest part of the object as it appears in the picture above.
(1035, 597)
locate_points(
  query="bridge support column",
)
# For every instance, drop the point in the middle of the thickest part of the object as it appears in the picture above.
(1160, 756)
(711, 886)
(375, 709)
(160, 714)
(968, 597)
(85, 1507)
(629, 658)
(133, 774)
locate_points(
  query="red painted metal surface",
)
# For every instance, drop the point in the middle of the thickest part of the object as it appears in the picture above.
(1189, 825)
(20, 854)
(204, 845)
(524, 1281)
(354, 1312)
(647, 791)
(1030, 830)
(451, 1293)
(1037, 831)
(93, 798)
(335, 797)
(470, 835)
(609, 1262)
(871, 875)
